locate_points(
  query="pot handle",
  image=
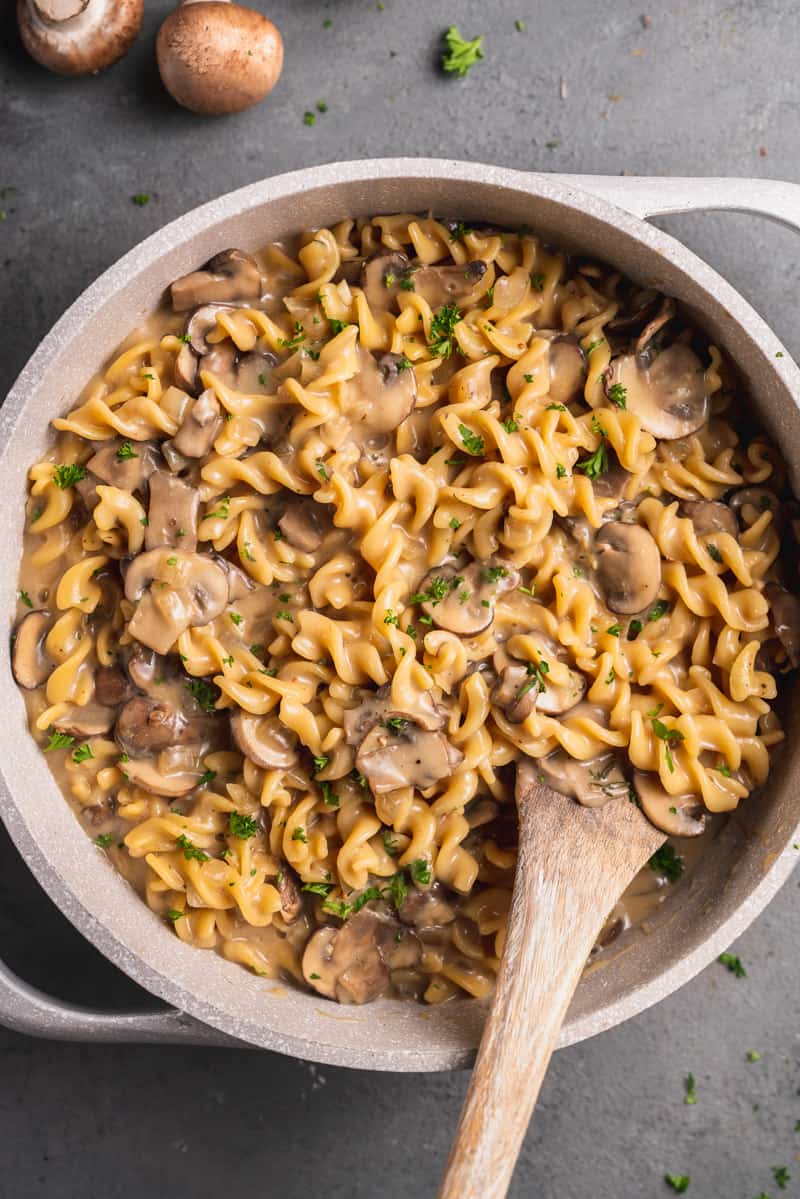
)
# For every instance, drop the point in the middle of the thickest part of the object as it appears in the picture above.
(648, 197)
(26, 1009)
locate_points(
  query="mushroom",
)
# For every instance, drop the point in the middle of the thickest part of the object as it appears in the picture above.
(462, 601)
(567, 370)
(441, 285)
(612, 483)
(264, 740)
(376, 706)
(382, 394)
(171, 513)
(173, 590)
(185, 369)
(144, 667)
(426, 908)
(146, 726)
(127, 468)
(526, 687)
(785, 613)
(204, 319)
(90, 720)
(749, 503)
(400, 753)
(78, 37)
(675, 815)
(381, 278)
(353, 964)
(628, 567)
(640, 308)
(239, 585)
(668, 394)
(229, 277)
(199, 428)
(301, 525)
(30, 664)
(219, 57)
(250, 370)
(709, 516)
(144, 773)
(111, 686)
(288, 887)
(592, 782)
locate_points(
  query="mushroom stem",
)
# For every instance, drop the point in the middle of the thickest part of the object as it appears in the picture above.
(59, 10)
(78, 37)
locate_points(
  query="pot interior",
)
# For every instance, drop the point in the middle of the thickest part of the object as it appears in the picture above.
(742, 867)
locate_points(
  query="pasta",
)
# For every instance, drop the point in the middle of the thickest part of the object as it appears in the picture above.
(351, 527)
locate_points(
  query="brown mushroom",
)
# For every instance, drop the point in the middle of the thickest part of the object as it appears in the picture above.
(353, 964)
(381, 278)
(264, 740)
(199, 427)
(441, 285)
(171, 513)
(30, 664)
(675, 815)
(185, 369)
(750, 503)
(288, 887)
(526, 687)
(124, 464)
(146, 726)
(230, 277)
(612, 483)
(628, 567)
(667, 393)
(709, 516)
(639, 308)
(78, 37)
(144, 667)
(89, 720)
(250, 370)
(145, 773)
(204, 319)
(218, 57)
(462, 601)
(592, 782)
(400, 753)
(301, 525)
(567, 370)
(239, 585)
(382, 394)
(111, 686)
(377, 705)
(426, 908)
(785, 614)
(174, 591)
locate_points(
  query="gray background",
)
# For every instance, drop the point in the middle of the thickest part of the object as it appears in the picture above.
(709, 88)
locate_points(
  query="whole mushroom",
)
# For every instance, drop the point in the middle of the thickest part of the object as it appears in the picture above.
(218, 57)
(78, 37)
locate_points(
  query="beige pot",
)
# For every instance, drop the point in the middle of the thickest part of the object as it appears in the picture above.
(213, 1000)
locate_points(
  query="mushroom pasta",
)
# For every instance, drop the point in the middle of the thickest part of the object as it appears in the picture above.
(350, 527)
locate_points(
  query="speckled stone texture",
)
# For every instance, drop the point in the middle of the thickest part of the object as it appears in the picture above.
(707, 88)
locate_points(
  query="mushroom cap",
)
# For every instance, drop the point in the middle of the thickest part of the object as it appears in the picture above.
(78, 37)
(146, 726)
(264, 740)
(381, 276)
(381, 395)
(628, 567)
(204, 319)
(592, 782)
(441, 285)
(111, 686)
(567, 370)
(426, 907)
(668, 394)
(90, 720)
(520, 692)
(218, 58)
(466, 607)
(228, 278)
(710, 516)
(192, 590)
(377, 705)
(144, 773)
(403, 754)
(171, 513)
(30, 664)
(288, 886)
(198, 431)
(352, 964)
(130, 473)
(675, 815)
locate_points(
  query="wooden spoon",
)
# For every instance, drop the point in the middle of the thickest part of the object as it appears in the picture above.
(574, 863)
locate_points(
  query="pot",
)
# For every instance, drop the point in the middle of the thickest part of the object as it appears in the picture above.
(212, 1000)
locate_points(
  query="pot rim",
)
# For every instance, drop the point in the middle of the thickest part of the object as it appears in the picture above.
(145, 256)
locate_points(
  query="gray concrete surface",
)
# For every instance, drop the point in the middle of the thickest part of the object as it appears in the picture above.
(709, 88)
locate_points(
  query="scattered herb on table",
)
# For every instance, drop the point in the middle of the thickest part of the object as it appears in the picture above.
(461, 53)
(733, 963)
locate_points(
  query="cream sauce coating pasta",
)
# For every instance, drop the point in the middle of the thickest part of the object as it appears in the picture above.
(348, 528)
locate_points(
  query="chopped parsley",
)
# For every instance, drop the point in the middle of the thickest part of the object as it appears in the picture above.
(235, 617)
(491, 574)
(690, 1099)
(438, 589)
(103, 840)
(667, 862)
(614, 630)
(329, 796)
(537, 672)
(67, 475)
(634, 629)
(473, 443)
(140, 199)
(421, 871)
(461, 53)
(723, 768)
(337, 325)
(390, 618)
(59, 741)
(292, 343)
(460, 231)
(753, 1055)
(618, 395)
(657, 611)
(511, 425)
(554, 407)
(299, 834)
(82, 754)
(667, 735)
(733, 962)
(714, 552)
(322, 472)
(26, 599)
(455, 524)
(442, 326)
(174, 914)
(284, 614)
(389, 843)
(205, 694)
(309, 118)
(243, 827)
(593, 345)
(323, 889)
(190, 850)
(395, 724)
(678, 1182)
(560, 471)
(320, 763)
(206, 778)
(781, 1176)
(224, 509)
(126, 451)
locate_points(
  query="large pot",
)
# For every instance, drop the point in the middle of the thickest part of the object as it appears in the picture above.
(214, 1000)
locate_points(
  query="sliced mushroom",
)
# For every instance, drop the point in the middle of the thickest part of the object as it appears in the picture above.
(127, 468)
(612, 483)
(229, 277)
(144, 667)
(667, 394)
(199, 427)
(264, 740)
(288, 885)
(145, 773)
(649, 342)
(428, 908)
(239, 585)
(639, 308)
(709, 516)
(381, 277)
(749, 503)
(171, 513)
(185, 369)
(462, 601)
(785, 613)
(522, 690)
(567, 370)
(381, 395)
(302, 526)
(675, 815)
(91, 720)
(400, 753)
(111, 686)
(30, 664)
(441, 285)
(352, 964)
(592, 782)
(146, 726)
(173, 591)
(251, 370)
(628, 567)
(376, 706)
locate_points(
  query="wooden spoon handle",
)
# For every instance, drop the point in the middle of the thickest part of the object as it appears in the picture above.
(560, 901)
